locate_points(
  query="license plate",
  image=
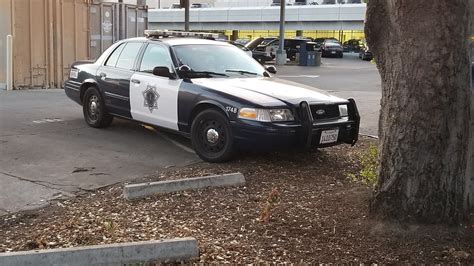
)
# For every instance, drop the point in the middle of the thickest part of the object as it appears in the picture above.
(329, 136)
(333, 52)
(74, 73)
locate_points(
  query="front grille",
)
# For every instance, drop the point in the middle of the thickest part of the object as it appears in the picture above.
(330, 111)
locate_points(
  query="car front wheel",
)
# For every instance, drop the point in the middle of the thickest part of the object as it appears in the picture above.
(211, 136)
(94, 109)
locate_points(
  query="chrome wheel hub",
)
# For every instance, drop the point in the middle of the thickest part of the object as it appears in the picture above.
(212, 136)
(93, 105)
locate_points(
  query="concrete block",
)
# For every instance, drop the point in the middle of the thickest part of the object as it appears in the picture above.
(134, 191)
(172, 250)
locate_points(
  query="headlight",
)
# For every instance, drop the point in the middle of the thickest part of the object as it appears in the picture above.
(266, 115)
(343, 110)
(278, 115)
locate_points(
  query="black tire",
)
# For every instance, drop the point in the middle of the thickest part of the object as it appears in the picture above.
(205, 126)
(93, 109)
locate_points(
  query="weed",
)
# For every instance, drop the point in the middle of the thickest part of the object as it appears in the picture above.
(368, 172)
(272, 199)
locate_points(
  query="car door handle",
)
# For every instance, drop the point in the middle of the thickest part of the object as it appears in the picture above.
(136, 81)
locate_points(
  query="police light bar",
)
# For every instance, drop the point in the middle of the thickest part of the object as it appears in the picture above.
(167, 33)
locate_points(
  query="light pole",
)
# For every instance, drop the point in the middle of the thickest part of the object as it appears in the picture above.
(185, 4)
(186, 16)
(281, 53)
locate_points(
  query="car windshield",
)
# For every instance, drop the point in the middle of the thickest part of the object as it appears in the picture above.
(267, 41)
(222, 60)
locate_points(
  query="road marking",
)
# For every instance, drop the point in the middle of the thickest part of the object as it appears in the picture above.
(185, 148)
(298, 76)
(179, 145)
(48, 120)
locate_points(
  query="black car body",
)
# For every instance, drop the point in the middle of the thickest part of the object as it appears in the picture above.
(292, 46)
(353, 45)
(365, 53)
(160, 82)
(332, 49)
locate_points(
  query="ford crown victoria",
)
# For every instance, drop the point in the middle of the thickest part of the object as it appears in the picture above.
(211, 92)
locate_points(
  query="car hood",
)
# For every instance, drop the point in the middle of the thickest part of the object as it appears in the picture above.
(254, 43)
(268, 91)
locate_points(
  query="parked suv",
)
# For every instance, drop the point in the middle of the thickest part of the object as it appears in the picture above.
(330, 49)
(352, 45)
(291, 46)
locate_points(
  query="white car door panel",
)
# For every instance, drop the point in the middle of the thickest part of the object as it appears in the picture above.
(154, 100)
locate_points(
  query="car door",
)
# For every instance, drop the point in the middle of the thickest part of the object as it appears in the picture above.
(114, 78)
(154, 99)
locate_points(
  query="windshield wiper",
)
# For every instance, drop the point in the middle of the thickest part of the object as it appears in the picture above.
(243, 72)
(208, 73)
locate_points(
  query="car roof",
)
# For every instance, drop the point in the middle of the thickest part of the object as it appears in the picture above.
(188, 41)
(171, 41)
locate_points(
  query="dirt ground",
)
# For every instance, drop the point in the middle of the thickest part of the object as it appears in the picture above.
(296, 207)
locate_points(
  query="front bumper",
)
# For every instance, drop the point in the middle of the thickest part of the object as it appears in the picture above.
(73, 90)
(252, 135)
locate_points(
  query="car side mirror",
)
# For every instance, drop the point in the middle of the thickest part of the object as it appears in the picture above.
(271, 69)
(183, 70)
(161, 71)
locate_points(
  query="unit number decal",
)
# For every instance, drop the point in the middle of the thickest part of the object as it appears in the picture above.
(231, 109)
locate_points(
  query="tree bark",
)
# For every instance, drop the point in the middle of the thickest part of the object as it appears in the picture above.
(422, 52)
(470, 162)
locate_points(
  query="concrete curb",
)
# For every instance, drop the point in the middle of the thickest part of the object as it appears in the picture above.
(134, 191)
(173, 250)
(370, 136)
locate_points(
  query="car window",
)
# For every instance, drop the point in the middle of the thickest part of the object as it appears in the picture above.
(112, 61)
(217, 58)
(155, 55)
(128, 55)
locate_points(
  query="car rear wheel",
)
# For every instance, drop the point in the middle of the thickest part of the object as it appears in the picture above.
(94, 109)
(211, 136)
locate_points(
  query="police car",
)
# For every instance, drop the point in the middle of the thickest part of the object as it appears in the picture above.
(211, 92)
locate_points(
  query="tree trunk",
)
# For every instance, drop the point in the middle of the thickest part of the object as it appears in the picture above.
(421, 48)
(470, 162)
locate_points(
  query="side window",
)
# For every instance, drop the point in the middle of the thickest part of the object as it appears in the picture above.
(155, 55)
(112, 61)
(128, 55)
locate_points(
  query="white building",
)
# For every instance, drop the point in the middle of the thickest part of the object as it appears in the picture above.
(220, 3)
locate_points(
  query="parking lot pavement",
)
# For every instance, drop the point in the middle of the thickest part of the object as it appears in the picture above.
(346, 77)
(47, 150)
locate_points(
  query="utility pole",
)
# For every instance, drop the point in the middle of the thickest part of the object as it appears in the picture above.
(281, 53)
(186, 15)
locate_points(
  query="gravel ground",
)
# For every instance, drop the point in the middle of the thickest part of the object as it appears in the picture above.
(296, 207)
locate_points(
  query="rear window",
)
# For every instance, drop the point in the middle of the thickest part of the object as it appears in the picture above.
(128, 55)
(112, 61)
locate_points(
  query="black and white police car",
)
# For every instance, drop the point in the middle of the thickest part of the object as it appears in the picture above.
(211, 92)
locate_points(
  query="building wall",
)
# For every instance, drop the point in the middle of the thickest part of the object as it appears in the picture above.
(219, 3)
(5, 29)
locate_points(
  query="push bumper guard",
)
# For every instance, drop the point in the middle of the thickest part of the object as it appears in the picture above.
(308, 124)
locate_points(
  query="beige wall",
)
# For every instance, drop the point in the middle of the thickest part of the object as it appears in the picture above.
(5, 29)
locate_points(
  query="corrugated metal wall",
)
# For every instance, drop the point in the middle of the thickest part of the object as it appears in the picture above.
(111, 22)
(49, 35)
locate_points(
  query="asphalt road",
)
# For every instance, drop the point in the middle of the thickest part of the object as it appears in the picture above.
(349, 77)
(47, 151)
